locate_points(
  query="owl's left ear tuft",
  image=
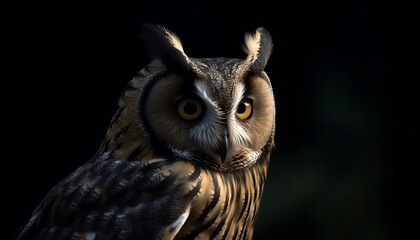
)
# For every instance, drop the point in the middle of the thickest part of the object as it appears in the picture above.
(258, 46)
(165, 46)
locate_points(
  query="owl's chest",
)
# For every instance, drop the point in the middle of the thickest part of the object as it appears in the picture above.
(225, 206)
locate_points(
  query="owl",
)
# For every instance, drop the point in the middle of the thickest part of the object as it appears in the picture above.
(185, 155)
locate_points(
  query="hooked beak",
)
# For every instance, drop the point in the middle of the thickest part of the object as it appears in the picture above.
(224, 146)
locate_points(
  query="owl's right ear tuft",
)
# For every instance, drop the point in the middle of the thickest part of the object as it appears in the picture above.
(165, 46)
(258, 46)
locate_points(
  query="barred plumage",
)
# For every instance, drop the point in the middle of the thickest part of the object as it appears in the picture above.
(144, 183)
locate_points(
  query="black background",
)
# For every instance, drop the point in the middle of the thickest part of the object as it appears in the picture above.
(344, 78)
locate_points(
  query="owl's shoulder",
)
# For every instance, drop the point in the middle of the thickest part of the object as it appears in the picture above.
(103, 197)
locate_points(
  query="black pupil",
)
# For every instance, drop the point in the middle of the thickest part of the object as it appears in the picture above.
(241, 108)
(190, 108)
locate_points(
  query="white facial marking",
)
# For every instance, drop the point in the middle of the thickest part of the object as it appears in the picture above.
(238, 135)
(210, 130)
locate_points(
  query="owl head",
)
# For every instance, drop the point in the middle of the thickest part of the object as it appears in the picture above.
(216, 112)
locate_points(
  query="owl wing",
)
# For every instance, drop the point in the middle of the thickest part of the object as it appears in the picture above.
(113, 199)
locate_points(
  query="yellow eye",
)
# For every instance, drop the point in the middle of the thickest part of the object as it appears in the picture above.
(244, 110)
(189, 109)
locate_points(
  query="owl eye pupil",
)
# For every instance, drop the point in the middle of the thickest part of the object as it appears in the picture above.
(190, 108)
(241, 108)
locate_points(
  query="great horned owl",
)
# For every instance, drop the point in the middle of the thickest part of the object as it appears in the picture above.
(185, 156)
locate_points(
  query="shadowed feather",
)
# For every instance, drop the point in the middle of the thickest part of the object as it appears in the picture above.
(166, 47)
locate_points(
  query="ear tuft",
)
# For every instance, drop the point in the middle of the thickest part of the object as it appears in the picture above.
(173, 39)
(165, 46)
(258, 46)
